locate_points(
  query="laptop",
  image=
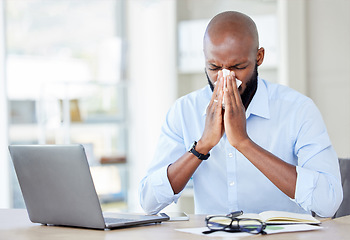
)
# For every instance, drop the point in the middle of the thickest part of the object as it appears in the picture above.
(58, 189)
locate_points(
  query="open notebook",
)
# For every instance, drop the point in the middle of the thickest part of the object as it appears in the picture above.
(281, 217)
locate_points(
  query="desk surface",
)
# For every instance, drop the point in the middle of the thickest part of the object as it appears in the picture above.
(15, 224)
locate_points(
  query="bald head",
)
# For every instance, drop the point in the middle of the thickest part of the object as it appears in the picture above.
(232, 25)
(231, 42)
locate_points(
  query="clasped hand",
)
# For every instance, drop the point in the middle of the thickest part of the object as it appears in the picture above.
(230, 120)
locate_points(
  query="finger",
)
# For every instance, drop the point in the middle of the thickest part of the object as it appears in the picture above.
(215, 93)
(219, 77)
(217, 85)
(220, 82)
(229, 95)
(220, 97)
(217, 108)
(220, 74)
(233, 75)
(236, 94)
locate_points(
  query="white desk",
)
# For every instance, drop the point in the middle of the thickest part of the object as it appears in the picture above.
(15, 225)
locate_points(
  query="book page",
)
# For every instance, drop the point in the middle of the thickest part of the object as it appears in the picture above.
(251, 216)
(281, 216)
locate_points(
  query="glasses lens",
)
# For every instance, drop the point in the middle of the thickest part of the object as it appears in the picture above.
(218, 222)
(250, 225)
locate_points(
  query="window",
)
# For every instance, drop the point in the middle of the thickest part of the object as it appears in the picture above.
(65, 77)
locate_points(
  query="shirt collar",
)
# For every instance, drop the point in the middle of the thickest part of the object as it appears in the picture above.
(259, 105)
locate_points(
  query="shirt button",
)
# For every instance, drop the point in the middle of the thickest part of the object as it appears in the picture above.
(230, 155)
(232, 183)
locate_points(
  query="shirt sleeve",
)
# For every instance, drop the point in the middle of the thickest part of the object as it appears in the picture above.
(318, 186)
(155, 191)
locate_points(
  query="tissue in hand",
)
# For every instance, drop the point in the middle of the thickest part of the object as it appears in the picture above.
(225, 73)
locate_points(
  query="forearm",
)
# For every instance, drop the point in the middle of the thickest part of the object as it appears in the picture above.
(283, 175)
(180, 172)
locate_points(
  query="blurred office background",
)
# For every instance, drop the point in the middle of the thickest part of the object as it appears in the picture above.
(103, 73)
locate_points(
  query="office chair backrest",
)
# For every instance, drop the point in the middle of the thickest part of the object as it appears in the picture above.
(344, 208)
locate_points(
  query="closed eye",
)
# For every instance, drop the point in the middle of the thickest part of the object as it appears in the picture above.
(213, 67)
(240, 68)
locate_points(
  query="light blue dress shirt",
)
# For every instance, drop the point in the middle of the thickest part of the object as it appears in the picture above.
(280, 120)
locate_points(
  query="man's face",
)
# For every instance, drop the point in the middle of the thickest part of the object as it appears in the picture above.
(237, 57)
(250, 89)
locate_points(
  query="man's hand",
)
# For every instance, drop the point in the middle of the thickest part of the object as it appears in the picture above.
(234, 116)
(214, 126)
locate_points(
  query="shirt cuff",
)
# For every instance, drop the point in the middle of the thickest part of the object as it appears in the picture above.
(162, 188)
(306, 183)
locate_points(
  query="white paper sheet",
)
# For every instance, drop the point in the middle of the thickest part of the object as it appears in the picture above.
(270, 229)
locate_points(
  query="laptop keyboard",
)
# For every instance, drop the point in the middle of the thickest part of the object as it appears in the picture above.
(118, 220)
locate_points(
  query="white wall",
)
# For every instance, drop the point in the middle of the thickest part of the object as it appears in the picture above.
(4, 166)
(152, 82)
(292, 39)
(328, 51)
(315, 49)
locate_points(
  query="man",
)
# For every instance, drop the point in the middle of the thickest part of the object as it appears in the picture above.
(267, 149)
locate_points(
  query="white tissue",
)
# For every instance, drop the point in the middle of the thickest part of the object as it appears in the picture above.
(225, 73)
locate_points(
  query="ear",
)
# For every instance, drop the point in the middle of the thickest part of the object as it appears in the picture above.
(260, 56)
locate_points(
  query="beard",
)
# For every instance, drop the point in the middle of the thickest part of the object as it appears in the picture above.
(250, 90)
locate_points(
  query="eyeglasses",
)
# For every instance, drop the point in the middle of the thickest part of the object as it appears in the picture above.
(230, 223)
